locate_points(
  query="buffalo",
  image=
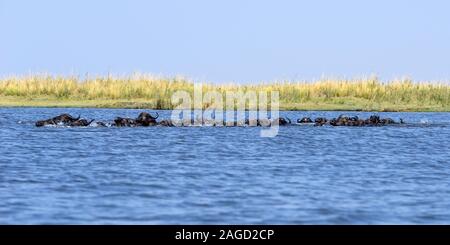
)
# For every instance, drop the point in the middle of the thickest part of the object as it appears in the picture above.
(373, 120)
(145, 119)
(305, 120)
(64, 119)
(80, 123)
(166, 123)
(124, 122)
(320, 121)
(282, 121)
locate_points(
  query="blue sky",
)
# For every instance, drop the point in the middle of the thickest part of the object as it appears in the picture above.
(227, 40)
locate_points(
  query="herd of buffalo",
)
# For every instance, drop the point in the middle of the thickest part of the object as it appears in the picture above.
(147, 120)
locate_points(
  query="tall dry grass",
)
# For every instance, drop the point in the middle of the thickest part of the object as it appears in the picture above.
(160, 90)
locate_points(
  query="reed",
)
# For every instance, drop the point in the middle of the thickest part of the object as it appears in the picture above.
(144, 91)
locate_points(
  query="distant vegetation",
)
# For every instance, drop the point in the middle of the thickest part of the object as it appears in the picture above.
(155, 93)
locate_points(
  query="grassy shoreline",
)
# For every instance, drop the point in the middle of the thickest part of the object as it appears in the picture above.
(146, 92)
(46, 102)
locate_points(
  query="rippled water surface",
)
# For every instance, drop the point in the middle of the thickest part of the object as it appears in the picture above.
(306, 175)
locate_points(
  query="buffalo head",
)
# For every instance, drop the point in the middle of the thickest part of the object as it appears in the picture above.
(145, 119)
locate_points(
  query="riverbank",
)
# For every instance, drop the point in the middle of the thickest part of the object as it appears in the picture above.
(349, 104)
(146, 92)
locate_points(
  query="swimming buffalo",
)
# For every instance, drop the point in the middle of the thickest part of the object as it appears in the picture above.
(282, 121)
(343, 120)
(374, 120)
(166, 123)
(264, 122)
(102, 124)
(320, 121)
(145, 119)
(387, 121)
(63, 119)
(267, 122)
(80, 123)
(305, 120)
(124, 122)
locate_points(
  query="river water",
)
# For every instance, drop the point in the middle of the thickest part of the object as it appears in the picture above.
(204, 175)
